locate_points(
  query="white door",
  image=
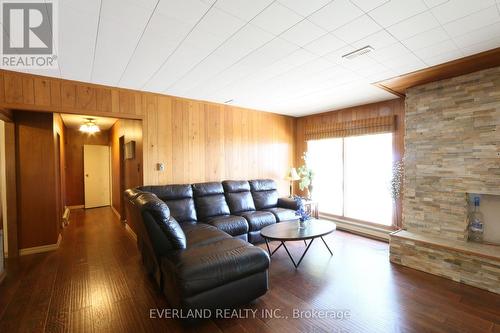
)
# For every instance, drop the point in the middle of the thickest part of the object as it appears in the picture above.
(96, 175)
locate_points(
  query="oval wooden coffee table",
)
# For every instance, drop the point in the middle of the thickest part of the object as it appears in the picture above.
(289, 231)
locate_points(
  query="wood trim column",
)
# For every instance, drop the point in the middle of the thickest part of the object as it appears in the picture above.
(10, 173)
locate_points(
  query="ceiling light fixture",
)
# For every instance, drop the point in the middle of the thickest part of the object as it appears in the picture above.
(358, 52)
(89, 126)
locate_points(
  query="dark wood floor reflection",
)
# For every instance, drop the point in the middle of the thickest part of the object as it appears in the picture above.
(95, 283)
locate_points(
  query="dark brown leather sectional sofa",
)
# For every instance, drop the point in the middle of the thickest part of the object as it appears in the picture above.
(194, 239)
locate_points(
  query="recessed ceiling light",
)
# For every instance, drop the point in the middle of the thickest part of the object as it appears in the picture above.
(358, 52)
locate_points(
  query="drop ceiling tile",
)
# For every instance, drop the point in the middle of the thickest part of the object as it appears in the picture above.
(188, 11)
(397, 10)
(435, 50)
(434, 3)
(336, 56)
(76, 54)
(387, 74)
(359, 63)
(121, 25)
(243, 9)
(479, 35)
(276, 19)
(367, 5)
(303, 33)
(486, 45)
(335, 14)
(456, 9)
(357, 29)
(304, 8)
(195, 48)
(426, 38)
(473, 22)
(220, 24)
(377, 40)
(248, 39)
(443, 57)
(396, 50)
(405, 65)
(413, 25)
(325, 44)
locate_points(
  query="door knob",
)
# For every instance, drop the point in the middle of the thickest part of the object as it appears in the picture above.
(86, 175)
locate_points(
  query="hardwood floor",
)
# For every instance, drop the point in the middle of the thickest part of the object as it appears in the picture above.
(95, 283)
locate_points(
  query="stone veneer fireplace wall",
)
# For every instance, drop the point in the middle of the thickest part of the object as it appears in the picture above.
(452, 147)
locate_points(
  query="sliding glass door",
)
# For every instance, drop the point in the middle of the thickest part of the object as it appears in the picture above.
(353, 176)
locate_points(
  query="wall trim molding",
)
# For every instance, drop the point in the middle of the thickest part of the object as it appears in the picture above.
(76, 207)
(41, 249)
(130, 231)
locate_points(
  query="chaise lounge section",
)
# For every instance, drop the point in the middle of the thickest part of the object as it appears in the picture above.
(193, 239)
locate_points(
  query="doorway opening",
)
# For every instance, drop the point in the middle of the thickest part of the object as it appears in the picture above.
(98, 169)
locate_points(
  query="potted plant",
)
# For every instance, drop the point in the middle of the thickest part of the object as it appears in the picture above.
(302, 214)
(306, 176)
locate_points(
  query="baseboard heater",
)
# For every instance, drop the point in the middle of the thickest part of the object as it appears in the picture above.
(360, 228)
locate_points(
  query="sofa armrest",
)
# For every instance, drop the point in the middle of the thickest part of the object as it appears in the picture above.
(288, 203)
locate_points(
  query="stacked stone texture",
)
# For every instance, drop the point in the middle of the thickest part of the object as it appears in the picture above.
(452, 147)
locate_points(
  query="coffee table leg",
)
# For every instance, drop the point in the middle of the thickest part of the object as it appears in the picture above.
(303, 254)
(268, 249)
(327, 246)
(276, 249)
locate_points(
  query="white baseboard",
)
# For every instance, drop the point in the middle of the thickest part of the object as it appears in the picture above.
(76, 207)
(40, 249)
(130, 231)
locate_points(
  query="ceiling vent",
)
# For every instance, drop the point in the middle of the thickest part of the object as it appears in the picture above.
(358, 52)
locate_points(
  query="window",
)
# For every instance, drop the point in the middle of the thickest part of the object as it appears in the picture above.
(352, 176)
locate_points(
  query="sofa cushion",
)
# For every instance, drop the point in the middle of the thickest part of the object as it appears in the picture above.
(210, 200)
(155, 213)
(206, 267)
(179, 199)
(200, 234)
(258, 219)
(236, 186)
(264, 193)
(282, 214)
(238, 196)
(231, 224)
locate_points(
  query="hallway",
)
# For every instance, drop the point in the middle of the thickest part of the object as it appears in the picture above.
(95, 283)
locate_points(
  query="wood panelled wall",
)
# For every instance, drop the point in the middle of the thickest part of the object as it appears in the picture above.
(200, 141)
(131, 130)
(197, 141)
(387, 108)
(37, 220)
(73, 143)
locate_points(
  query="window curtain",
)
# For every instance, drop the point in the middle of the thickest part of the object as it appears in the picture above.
(329, 130)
